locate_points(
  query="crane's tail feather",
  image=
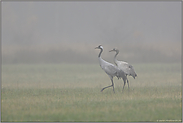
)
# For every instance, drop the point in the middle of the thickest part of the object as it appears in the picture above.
(135, 76)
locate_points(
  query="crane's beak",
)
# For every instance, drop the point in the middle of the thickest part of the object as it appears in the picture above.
(111, 50)
(96, 48)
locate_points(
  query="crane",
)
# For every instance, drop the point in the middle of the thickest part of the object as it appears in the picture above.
(126, 67)
(110, 69)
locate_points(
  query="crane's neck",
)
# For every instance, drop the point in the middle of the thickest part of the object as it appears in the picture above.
(101, 61)
(99, 55)
(115, 59)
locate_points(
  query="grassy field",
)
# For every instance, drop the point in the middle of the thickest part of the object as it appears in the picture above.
(71, 92)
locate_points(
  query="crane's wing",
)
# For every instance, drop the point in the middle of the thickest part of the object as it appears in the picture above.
(127, 68)
(121, 74)
(115, 71)
(110, 70)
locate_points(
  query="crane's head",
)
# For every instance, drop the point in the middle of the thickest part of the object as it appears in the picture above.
(99, 47)
(116, 50)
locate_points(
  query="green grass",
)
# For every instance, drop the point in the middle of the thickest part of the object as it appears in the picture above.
(71, 92)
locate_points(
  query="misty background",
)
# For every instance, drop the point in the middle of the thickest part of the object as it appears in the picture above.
(68, 31)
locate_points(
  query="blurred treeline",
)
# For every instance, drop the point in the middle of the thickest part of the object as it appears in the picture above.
(162, 52)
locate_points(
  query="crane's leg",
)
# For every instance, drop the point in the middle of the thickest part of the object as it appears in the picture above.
(109, 86)
(112, 85)
(128, 84)
(123, 85)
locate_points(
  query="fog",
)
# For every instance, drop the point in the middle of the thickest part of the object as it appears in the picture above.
(68, 32)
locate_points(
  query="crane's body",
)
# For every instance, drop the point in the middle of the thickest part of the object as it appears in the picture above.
(127, 68)
(110, 69)
(124, 66)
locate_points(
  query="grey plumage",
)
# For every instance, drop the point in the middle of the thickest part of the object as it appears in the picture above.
(127, 68)
(110, 69)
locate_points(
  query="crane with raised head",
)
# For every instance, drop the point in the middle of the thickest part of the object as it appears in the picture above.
(124, 66)
(110, 69)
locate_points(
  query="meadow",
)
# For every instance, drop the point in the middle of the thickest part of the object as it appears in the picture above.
(71, 92)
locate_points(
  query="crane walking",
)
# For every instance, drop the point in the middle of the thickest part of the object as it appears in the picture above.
(110, 69)
(127, 68)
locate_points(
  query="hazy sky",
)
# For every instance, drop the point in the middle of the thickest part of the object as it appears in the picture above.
(90, 22)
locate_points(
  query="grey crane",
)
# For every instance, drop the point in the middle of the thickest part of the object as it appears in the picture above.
(110, 69)
(127, 68)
